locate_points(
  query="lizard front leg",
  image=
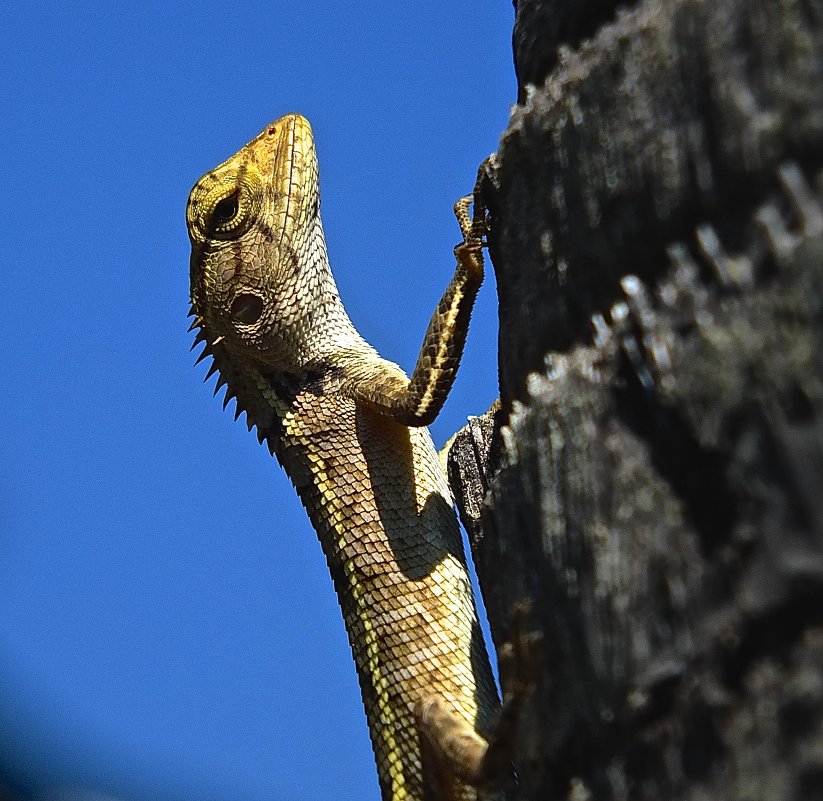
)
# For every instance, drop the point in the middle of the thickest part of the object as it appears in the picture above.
(416, 401)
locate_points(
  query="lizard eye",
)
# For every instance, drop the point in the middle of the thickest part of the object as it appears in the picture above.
(225, 210)
(224, 205)
(229, 216)
(247, 308)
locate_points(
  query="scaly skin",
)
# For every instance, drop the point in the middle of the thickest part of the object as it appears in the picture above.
(348, 427)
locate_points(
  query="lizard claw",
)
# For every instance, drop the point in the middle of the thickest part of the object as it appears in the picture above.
(469, 252)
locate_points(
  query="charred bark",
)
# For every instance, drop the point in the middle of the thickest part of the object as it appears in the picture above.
(653, 485)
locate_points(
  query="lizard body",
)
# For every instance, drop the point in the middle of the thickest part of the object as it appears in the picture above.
(349, 429)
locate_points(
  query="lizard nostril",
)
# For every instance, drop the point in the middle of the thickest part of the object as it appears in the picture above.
(247, 308)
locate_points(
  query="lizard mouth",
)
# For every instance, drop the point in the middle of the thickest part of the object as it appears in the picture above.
(246, 308)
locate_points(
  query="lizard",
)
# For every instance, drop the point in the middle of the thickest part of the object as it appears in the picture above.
(349, 428)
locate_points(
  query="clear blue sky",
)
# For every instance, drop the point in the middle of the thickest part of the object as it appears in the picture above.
(168, 629)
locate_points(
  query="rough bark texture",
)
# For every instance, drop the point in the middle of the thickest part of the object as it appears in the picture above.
(655, 490)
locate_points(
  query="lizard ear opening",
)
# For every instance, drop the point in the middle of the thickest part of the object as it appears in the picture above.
(247, 308)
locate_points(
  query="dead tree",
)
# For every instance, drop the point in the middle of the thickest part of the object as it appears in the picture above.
(653, 485)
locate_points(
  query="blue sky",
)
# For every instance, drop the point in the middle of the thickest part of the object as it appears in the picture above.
(167, 626)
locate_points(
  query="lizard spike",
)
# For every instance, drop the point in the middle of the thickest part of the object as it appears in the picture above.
(237, 412)
(211, 372)
(206, 352)
(200, 337)
(217, 341)
(192, 311)
(221, 382)
(196, 323)
(227, 398)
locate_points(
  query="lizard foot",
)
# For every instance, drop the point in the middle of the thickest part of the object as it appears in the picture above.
(453, 748)
(474, 228)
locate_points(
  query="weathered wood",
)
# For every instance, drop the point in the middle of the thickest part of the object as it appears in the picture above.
(658, 498)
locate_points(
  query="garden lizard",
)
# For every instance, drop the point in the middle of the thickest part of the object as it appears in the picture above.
(349, 429)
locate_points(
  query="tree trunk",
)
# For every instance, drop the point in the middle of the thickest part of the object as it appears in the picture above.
(653, 484)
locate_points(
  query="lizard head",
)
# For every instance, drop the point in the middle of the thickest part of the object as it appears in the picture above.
(258, 254)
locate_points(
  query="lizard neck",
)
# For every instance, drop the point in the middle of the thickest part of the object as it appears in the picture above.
(319, 328)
